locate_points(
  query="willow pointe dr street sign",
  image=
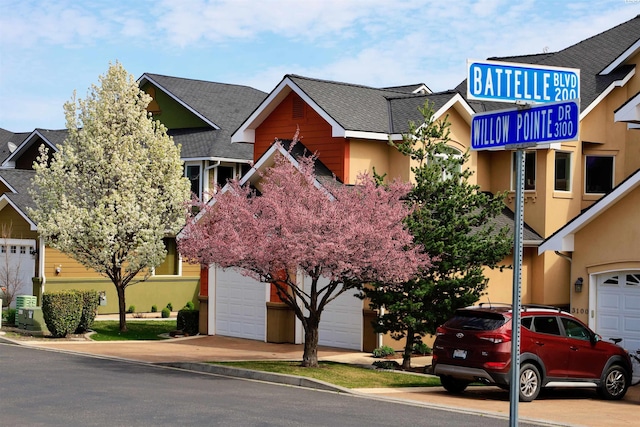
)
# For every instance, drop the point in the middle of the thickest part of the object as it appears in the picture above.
(513, 82)
(552, 122)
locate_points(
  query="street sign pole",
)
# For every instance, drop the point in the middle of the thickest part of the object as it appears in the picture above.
(514, 384)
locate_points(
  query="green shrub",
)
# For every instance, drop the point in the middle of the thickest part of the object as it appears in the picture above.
(154, 308)
(170, 307)
(90, 302)
(383, 351)
(421, 348)
(386, 364)
(131, 309)
(10, 316)
(62, 312)
(189, 306)
(188, 321)
(165, 313)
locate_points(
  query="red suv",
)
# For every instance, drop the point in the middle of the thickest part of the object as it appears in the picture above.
(556, 350)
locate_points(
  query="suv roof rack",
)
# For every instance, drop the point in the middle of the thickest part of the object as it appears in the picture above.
(550, 307)
(494, 304)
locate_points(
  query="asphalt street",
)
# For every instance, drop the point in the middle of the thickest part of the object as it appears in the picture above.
(50, 388)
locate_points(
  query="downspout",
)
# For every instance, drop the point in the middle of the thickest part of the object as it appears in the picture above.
(561, 255)
(41, 264)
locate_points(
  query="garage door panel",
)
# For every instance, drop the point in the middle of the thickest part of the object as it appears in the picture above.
(632, 302)
(341, 322)
(618, 308)
(240, 305)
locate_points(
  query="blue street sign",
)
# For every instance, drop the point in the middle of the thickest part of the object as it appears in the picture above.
(553, 122)
(510, 82)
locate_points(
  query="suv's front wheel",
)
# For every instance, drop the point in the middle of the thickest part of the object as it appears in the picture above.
(530, 382)
(614, 383)
(453, 385)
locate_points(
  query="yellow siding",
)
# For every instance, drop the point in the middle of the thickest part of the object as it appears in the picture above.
(20, 228)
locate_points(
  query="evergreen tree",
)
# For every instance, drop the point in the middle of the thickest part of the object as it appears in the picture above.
(452, 220)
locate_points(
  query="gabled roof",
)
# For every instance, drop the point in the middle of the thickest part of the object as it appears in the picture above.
(601, 60)
(353, 111)
(24, 141)
(563, 239)
(221, 106)
(284, 148)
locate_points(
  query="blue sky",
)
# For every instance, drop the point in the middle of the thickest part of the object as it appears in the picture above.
(49, 48)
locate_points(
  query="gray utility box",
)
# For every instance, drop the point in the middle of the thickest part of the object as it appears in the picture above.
(30, 319)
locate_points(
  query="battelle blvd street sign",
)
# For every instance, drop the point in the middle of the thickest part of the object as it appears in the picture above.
(553, 122)
(513, 82)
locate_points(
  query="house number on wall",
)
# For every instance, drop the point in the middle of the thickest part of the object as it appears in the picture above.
(577, 310)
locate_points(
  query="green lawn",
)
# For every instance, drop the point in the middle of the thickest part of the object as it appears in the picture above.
(341, 374)
(109, 330)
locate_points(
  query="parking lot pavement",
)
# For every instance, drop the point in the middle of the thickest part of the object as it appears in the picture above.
(578, 407)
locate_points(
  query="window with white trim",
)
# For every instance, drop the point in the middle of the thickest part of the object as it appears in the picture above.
(562, 179)
(193, 172)
(171, 264)
(598, 174)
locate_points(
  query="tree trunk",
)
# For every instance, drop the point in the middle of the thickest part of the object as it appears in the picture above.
(310, 356)
(408, 350)
(122, 308)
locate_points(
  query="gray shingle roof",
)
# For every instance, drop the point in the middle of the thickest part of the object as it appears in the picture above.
(591, 56)
(18, 179)
(6, 137)
(367, 109)
(405, 109)
(208, 143)
(224, 105)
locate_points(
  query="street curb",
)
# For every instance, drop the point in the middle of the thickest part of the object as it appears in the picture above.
(271, 377)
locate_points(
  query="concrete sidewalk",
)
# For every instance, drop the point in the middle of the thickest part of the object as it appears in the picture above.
(556, 407)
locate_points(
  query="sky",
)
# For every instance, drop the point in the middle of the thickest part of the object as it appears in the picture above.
(51, 48)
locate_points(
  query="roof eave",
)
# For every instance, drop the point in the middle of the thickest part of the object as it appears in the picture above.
(563, 239)
(4, 201)
(606, 92)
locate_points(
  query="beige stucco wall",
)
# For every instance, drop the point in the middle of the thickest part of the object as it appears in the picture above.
(610, 242)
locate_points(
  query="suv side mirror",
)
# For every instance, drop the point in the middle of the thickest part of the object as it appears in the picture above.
(595, 338)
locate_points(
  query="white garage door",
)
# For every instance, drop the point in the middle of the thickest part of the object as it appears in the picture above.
(17, 265)
(240, 308)
(341, 322)
(618, 308)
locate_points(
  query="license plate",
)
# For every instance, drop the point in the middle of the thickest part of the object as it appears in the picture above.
(459, 354)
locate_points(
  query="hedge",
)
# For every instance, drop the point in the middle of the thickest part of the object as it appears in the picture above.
(90, 302)
(188, 321)
(62, 312)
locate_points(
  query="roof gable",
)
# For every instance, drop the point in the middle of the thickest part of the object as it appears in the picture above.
(221, 105)
(52, 138)
(563, 239)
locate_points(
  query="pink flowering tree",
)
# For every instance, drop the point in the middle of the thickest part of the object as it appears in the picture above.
(350, 235)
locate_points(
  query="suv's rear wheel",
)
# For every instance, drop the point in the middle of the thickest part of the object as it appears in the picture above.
(453, 385)
(530, 382)
(614, 383)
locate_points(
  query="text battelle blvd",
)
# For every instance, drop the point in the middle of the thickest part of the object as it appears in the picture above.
(501, 82)
(545, 123)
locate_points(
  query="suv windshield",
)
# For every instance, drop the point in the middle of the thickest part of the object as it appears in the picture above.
(479, 321)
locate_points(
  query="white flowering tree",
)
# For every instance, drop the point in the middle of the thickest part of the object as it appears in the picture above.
(115, 188)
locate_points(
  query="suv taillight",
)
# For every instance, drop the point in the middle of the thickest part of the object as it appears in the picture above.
(495, 338)
(439, 331)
